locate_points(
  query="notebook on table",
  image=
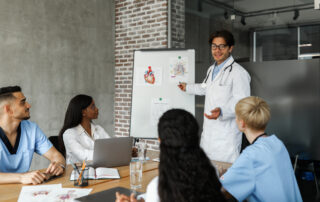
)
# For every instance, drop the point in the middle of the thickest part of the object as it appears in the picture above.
(98, 173)
(107, 195)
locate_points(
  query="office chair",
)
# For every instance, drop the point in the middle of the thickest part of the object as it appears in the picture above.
(55, 141)
(305, 165)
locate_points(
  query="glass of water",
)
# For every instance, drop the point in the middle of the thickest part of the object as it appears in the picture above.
(142, 151)
(136, 175)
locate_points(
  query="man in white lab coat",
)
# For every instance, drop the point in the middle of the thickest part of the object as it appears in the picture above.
(225, 84)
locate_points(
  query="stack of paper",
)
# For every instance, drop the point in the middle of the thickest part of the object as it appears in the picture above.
(50, 193)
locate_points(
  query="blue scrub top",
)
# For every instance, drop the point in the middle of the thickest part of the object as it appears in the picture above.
(32, 139)
(263, 172)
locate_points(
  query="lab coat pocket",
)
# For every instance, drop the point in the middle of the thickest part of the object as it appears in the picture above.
(222, 93)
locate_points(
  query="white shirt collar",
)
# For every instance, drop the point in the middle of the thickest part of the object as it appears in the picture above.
(80, 130)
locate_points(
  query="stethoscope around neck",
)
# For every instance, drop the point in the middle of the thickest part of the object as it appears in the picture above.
(204, 83)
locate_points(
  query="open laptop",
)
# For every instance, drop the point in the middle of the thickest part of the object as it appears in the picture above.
(112, 152)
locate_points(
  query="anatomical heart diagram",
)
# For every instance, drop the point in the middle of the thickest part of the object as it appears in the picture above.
(149, 76)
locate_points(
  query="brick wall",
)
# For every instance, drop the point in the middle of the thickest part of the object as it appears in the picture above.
(177, 23)
(139, 24)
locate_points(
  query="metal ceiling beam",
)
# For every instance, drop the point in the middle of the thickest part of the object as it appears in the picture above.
(224, 6)
(276, 11)
(282, 9)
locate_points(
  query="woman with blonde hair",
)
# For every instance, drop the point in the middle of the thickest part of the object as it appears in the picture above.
(263, 171)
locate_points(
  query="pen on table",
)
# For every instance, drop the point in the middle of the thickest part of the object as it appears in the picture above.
(75, 168)
(82, 169)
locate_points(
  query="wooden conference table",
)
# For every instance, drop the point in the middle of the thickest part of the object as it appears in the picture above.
(10, 192)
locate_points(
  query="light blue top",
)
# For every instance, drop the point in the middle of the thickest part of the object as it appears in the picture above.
(217, 68)
(32, 140)
(263, 172)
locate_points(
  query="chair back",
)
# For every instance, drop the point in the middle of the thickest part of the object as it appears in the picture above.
(55, 141)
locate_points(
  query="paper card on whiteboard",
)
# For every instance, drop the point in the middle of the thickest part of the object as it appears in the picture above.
(158, 107)
(178, 69)
(149, 76)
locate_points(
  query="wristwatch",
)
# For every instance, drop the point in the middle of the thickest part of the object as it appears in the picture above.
(62, 166)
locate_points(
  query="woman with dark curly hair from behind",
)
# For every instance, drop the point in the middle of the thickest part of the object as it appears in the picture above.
(185, 172)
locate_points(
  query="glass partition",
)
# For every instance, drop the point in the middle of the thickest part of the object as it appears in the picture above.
(276, 44)
(278, 38)
(309, 42)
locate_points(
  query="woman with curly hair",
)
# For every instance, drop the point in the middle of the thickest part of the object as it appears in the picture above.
(185, 172)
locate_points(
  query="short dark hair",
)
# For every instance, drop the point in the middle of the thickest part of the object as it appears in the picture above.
(6, 92)
(228, 37)
(9, 90)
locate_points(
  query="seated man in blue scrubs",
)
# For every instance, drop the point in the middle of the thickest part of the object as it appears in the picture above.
(263, 171)
(20, 138)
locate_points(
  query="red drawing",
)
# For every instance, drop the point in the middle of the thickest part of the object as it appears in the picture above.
(40, 193)
(70, 195)
(149, 76)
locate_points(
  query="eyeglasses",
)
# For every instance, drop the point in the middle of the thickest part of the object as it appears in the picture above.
(221, 46)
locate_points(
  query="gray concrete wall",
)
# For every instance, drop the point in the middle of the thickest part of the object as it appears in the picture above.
(55, 49)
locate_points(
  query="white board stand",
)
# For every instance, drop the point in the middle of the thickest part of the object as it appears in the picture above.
(155, 89)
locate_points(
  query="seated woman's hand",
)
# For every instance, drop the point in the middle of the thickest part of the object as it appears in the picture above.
(124, 198)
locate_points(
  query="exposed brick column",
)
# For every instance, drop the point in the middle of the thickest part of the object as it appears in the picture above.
(139, 24)
(178, 23)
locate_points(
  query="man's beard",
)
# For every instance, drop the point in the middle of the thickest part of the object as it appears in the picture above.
(26, 118)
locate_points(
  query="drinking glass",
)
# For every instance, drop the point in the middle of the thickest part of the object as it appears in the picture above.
(135, 174)
(142, 151)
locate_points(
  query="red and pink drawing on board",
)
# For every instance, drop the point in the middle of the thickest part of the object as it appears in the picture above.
(149, 76)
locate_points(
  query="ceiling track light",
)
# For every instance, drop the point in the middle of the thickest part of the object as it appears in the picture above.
(225, 14)
(243, 21)
(296, 15)
(200, 5)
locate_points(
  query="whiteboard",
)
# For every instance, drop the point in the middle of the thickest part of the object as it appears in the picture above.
(156, 76)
